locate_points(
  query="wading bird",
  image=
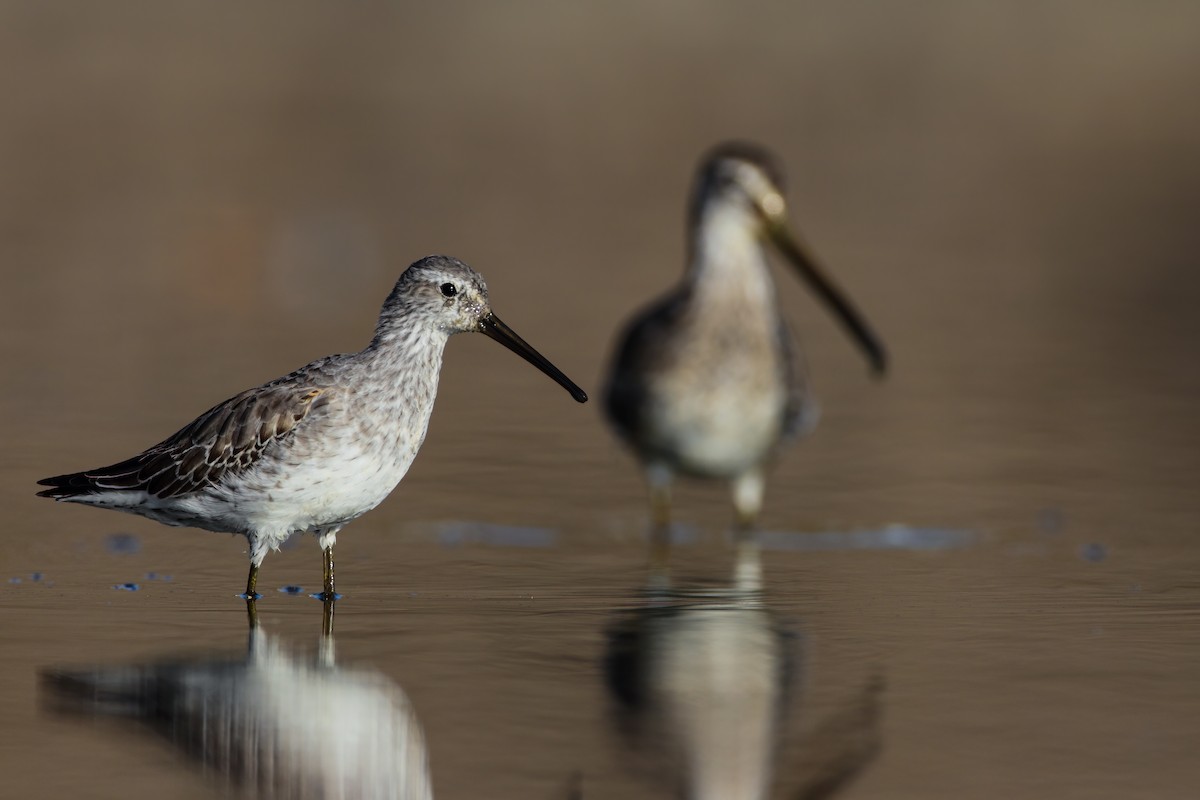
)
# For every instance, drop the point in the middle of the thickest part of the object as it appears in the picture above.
(706, 382)
(313, 450)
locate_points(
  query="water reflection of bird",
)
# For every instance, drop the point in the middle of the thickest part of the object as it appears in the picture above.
(701, 677)
(313, 450)
(705, 682)
(705, 382)
(283, 726)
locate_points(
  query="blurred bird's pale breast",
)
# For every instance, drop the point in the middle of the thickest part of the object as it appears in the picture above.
(720, 406)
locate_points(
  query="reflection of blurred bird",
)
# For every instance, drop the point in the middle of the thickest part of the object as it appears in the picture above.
(705, 382)
(704, 679)
(284, 726)
(315, 449)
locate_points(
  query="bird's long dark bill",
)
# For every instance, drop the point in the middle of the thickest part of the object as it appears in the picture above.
(824, 288)
(491, 326)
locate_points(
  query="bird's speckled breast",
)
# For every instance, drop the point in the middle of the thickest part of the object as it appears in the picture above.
(721, 407)
(344, 459)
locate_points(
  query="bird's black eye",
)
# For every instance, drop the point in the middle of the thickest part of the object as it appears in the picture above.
(449, 290)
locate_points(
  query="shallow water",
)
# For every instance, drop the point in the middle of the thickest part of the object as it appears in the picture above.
(980, 574)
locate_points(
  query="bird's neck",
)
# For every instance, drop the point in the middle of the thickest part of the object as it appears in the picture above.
(407, 354)
(727, 264)
(405, 363)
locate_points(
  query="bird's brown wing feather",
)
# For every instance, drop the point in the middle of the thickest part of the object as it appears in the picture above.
(227, 439)
(644, 349)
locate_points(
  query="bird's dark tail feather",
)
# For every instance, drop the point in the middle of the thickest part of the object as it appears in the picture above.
(64, 487)
(123, 475)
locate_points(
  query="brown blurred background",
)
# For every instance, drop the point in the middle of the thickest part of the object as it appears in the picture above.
(1009, 190)
(197, 197)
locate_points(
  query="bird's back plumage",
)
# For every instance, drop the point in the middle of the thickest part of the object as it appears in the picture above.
(226, 440)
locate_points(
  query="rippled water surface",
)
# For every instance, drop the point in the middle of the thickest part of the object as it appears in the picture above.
(980, 574)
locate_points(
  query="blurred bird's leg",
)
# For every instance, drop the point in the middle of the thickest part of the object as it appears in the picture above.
(658, 477)
(747, 502)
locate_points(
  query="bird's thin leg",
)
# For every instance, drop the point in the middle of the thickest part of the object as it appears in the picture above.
(258, 552)
(251, 583)
(327, 619)
(327, 540)
(747, 502)
(328, 573)
(328, 596)
(251, 595)
(659, 479)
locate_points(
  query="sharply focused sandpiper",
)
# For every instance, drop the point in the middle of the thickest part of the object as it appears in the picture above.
(705, 382)
(313, 450)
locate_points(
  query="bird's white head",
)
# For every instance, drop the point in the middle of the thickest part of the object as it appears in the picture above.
(438, 292)
(442, 296)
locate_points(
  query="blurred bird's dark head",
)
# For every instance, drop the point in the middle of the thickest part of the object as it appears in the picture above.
(740, 173)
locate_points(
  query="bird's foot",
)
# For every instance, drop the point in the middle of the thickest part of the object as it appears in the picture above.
(326, 596)
(249, 596)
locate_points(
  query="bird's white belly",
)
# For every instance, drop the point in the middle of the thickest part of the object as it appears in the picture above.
(718, 434)
(308, 492)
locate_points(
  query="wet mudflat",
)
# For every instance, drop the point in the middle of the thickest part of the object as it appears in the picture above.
(980, 573)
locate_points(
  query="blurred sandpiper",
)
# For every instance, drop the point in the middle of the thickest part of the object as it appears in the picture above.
(706, 381)
(313, 450)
